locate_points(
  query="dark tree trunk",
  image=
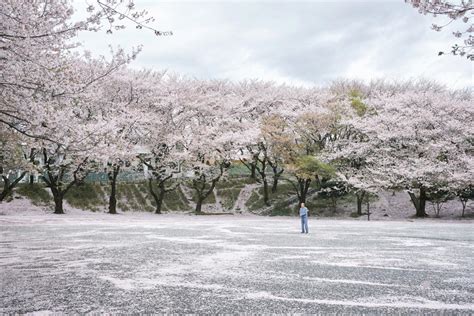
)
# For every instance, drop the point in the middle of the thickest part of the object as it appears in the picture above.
(113, 189)
(303, 186)
(360, 198)
(251, 166)
(55, 181)
(8, 187)
(266, 198)
(253, 174)
(155, 196)
(58, 201)
(419, 202)
(161, 197)
(263, 175)
(276, 177)
(202, 196)
(158, 197)
(464, 203)
(274, 185)
(162, 190)
(334, 204)
(202, 193)
(368, 210)
(31, 179)
(198, 209)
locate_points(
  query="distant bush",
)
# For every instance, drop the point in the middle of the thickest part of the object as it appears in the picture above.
(86, 196)
(37, 193)
(284, 191)
(283, 209)
(175, 201)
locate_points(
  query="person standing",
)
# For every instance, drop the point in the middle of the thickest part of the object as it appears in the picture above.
(304, 218)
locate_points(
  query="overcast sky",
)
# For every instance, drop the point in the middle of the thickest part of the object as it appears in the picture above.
(298, 42)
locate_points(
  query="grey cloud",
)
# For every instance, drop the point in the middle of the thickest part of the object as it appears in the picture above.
(304, 41)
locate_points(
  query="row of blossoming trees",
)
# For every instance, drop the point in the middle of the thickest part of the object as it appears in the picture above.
(64, 114)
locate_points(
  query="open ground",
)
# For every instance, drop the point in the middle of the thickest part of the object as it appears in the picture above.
(140, 263)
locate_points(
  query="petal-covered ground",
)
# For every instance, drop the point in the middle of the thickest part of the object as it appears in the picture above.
(142, 263)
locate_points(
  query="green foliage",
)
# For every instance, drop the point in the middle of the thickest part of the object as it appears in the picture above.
(284, 191)
(254, 198)
(332, 189)
(138, 196)
(210, 199)
(228, 197)
(359, 107)
(237, 169)
(123, 206)
(466, 193)
(282, 209)
(355, 94)
(308, 167)
(175, 201)
(234, 182)
(323, 205)
(439, 195)
(87, 196)
(357, 104)
(229, 189)
(37, 193)
(133, 196)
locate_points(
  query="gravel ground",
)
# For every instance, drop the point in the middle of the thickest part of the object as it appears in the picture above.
(141, 263)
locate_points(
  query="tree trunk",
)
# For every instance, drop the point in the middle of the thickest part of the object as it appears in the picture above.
(58, 201)
(253, 174)
(438, 209)
(368, 210)
(251, 166)
(54, 183)
(198, 209)
(202, 194)
(8, 187)
(303, 189)
(3, 194)
(266, 198)
(464, 203)
(419, 202)
(276, 176)
(275, 184)
(360, 198)
(113, 190)
(334, 204)
(161, 196)
(155, 196)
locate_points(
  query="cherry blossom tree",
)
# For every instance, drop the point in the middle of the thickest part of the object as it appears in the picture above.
(455, 11)
(353, 168)
(207, 135)
(413, 139)
(67, 161)
(43, 71)
(261, 125)
(39, 58)
(162, 168)
(256, 100)
(116, 101)
(163, 103)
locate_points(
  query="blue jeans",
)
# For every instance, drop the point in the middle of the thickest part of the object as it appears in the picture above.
(304, 224)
